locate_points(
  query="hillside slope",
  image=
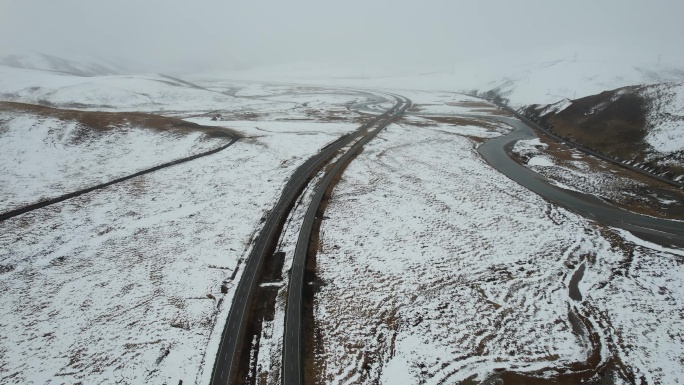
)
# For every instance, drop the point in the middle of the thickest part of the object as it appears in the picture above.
(639, 125)
(78, 65)
(526, 77)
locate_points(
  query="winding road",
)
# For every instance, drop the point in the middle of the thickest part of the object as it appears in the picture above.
(292, 347)
(493, 151)
(661, 231)
(227, 362)
(48, 202)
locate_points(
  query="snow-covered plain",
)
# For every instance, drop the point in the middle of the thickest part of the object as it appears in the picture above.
(663, 120)
(44, 157)
(540, 77)
(146, 93)
(435, 269)
(125, 284)
(572, 169)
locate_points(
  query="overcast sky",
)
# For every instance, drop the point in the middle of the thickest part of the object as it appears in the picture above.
(210, 34)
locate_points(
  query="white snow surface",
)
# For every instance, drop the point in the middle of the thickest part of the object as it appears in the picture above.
(666, 117)
(437, 269)
(124, 284)
(149, 93)
(43, 157)
(542, 77)
(541, 161)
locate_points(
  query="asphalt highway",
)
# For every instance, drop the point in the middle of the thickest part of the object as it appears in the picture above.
(227, 361)
(74, 194)
(292, 347)
(661, 231)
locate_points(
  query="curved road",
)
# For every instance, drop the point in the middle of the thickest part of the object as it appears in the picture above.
(74, 194)
(227, 361)
(657, 230)
(292, 354)
(530, 123)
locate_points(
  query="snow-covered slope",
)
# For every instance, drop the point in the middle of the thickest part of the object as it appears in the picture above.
(45, 152)
(151, 92)
(133, 283)
(525, 78)
(639, 124)
(79, 65)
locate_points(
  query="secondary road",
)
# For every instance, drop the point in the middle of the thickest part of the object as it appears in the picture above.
(227, 361)
(661, 231)
(23, 210)
(292, 348)
(586, 150)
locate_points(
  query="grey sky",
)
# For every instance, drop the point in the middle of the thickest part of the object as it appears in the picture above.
(210, 34)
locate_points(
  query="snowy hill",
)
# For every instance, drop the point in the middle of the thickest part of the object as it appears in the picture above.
(152, 92)
(79, 65)
(525, 78)
(640, 124)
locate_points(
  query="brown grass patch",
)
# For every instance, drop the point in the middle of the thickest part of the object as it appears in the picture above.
(107, 121)
(647, 189)
(612, 122)
(458, 121)
(471, 104)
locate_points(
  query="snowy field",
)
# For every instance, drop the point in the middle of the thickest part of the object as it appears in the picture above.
(435, 269)
(43, 156)
(537, 77)
(572, 169)
(132, 283)
(432, 268)
(663, 144)
(145, 93)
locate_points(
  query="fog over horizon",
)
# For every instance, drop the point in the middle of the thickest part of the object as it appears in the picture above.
(214, 35)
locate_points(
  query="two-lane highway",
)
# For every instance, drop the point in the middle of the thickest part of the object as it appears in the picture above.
(231, 347)
(662, 231)
(292, 347)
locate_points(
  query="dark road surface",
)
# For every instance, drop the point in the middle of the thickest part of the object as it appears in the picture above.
(493, 151)
(661, 231)
(292, 349)
(74, 194)
(230, 349)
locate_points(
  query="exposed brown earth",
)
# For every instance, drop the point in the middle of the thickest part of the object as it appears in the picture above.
(459, 121)
(313, 345)
(645, 196)
(93, 122)
(613, 123)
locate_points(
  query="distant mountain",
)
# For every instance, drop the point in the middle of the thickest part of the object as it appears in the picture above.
(75, 65)
(640, 125)
(550, 81)
(524, 78)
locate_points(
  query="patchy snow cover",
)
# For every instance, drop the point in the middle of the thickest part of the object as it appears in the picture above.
(437, 269)
(43, 157)
(541, 161)
(658, 147)
(666, 118)
(124, 284)
(571, 169)
(76, 64)
(107, 93)
(543, 77)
